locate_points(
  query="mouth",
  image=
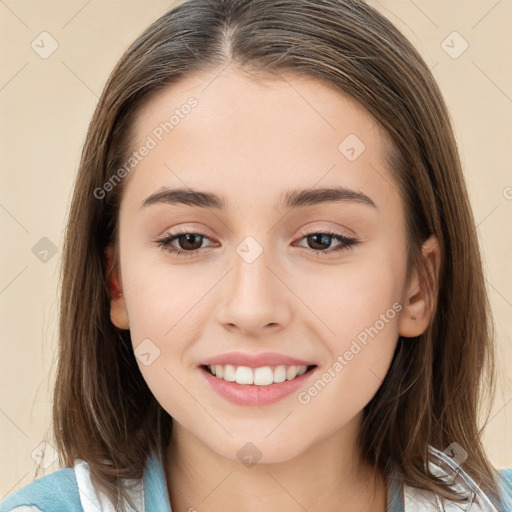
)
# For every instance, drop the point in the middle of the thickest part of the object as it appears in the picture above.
(256, 386)
(260, 376)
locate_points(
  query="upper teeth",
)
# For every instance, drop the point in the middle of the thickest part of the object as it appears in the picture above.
(262, 376)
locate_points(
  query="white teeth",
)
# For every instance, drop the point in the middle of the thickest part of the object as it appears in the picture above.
(291, 372)
(280, 374)
(262, 376)
(229, 373)
(244, 375)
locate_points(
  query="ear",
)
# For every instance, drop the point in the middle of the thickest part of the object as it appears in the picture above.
(421, 292)
(118, 311)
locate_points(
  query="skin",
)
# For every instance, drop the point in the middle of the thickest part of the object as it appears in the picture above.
(252, 142)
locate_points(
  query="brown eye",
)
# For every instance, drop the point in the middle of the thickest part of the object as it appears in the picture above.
(190, 241)
(319, 242)
(183, 243)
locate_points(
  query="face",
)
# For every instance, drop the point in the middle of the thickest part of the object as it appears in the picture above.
(319, 278)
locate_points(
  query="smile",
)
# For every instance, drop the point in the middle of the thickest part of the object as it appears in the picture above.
(256, 386)
(261, 376)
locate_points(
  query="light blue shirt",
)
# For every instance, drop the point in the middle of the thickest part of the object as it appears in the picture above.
(70, 490)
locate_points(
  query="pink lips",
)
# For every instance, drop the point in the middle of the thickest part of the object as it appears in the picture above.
(255, 360)
(252, 394)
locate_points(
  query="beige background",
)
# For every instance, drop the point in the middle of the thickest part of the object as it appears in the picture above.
(45, 107)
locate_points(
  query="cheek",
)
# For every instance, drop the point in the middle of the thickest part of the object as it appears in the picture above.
(162, 299)
(360, 350)
(166, 306)
(164, 310)
(359, 307)
(353, 297)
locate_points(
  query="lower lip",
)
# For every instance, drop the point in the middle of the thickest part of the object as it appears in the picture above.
(250, 394)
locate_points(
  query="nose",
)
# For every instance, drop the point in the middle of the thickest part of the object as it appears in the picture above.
(255, 300)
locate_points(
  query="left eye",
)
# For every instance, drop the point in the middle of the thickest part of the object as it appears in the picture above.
(191, 242)
(187, 241)
(323, 239)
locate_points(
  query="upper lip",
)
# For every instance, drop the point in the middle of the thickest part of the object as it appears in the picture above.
(254, 360)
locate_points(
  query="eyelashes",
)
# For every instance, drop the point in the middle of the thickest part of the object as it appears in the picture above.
(166, 242)
(184, 238)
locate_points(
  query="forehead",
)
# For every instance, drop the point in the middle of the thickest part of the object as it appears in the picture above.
(227, 132)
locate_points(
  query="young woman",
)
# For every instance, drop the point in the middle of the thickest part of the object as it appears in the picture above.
(272, 292)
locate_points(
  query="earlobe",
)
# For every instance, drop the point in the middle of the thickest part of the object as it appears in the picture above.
(421, 294)
(118, 311)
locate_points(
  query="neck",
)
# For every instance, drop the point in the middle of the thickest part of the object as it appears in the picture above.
(328, 476)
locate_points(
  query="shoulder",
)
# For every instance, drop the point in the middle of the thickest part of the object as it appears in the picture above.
(56, 492)
(506, 487)
(71, 490)
(448, 467)
(506, 476)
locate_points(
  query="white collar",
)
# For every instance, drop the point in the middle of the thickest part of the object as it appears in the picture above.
(93, 500)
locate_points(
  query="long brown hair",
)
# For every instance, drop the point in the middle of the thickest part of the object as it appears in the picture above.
(103, 411)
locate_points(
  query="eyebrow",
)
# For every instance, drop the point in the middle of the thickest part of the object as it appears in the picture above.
(292, 199)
